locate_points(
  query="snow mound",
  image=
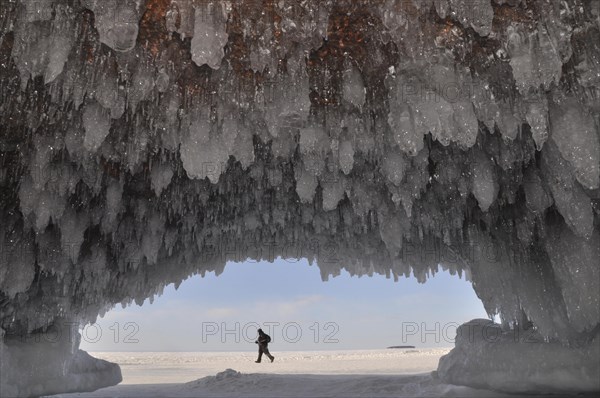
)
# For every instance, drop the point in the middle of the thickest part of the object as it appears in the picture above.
(231, 383)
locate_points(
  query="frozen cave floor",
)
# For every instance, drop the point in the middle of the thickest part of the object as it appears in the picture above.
(231, 383)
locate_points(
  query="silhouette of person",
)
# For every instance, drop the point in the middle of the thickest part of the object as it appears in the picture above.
(263, 343)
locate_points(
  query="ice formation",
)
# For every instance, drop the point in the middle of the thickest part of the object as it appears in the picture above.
(551, 367)
(143, 141)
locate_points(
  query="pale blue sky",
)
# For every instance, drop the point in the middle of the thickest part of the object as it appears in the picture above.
(292, 304)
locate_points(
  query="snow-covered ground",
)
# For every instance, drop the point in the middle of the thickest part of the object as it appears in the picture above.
(357, 373)
(182, 367)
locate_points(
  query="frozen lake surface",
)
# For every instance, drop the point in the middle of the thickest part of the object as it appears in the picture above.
(182, 367)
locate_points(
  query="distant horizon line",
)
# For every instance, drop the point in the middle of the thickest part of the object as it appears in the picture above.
(286, 350)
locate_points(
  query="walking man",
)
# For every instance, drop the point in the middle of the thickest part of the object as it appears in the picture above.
(263, 343)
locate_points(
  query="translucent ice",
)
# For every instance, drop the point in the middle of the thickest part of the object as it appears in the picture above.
(346, 156)
(354, 88)
(534, 59)
(161, 177)
(306, 184)
(576, 136)
(96, 122)
(476, 14)
(485, 187)
(117, 22)
(333, 191)
(210, 35)
(571, 201)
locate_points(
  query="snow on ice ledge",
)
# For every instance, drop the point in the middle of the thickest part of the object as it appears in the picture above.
(51, 365)
(519, 361)
(144, 141)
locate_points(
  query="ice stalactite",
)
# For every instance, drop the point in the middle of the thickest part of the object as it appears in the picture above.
(143, 141)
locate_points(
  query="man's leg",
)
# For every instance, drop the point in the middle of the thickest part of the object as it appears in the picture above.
(268, 354)
(260, 352)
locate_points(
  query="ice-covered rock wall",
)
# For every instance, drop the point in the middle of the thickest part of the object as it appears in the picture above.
(143, 141)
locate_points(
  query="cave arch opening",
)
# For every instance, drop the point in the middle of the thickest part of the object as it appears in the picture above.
(221, 311)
